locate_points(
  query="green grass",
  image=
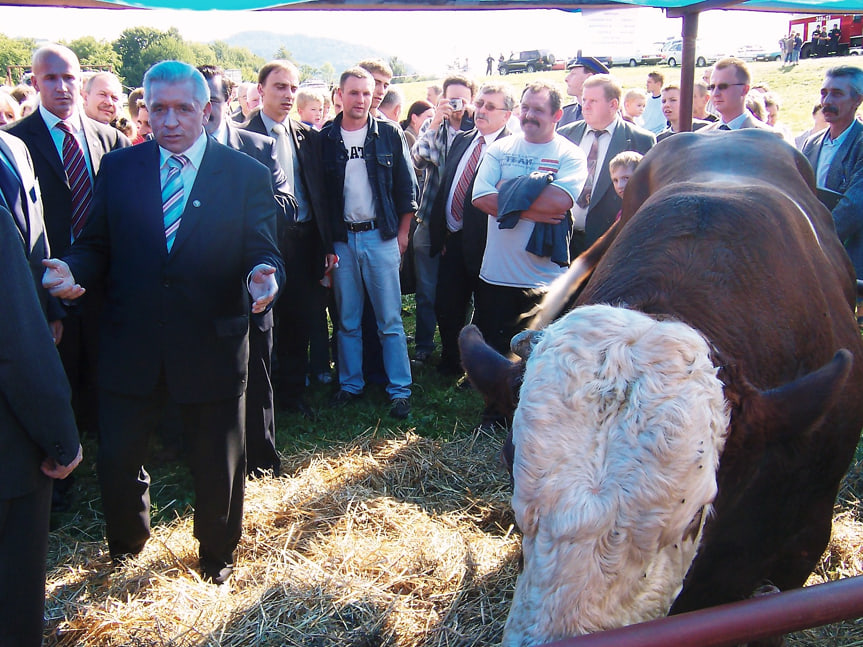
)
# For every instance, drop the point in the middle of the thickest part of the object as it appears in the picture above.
(798, 87)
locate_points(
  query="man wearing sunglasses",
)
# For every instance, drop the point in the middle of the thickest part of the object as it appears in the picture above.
(729, 84)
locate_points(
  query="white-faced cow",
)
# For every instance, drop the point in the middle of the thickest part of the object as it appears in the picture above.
(680, 434)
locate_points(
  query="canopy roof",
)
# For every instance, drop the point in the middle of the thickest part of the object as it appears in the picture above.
(795, 6)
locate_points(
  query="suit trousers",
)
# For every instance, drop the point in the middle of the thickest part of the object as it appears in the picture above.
(426, 269)
(78, 350)
(24, 547)
(215, 448)
(261, 451)
(295, 309)
(455, 287)
(501, 312)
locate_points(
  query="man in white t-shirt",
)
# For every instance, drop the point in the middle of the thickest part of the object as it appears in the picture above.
(370, 186)
(512, 279)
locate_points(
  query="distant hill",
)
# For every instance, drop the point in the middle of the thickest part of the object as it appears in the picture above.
(307, 50)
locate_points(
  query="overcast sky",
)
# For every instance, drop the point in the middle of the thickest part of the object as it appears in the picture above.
(429, 40)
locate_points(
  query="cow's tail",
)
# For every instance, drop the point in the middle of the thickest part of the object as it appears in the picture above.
(562, 291)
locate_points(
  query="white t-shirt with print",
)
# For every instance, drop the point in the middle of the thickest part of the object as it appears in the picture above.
(506, 262)
(359, 199)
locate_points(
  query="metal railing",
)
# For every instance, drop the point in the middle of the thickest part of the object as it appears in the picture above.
(739, 622)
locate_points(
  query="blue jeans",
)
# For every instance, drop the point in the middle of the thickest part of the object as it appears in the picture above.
(426, 269)
(368, 260)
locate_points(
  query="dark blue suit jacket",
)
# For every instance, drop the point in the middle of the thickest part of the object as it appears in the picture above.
(186, 313)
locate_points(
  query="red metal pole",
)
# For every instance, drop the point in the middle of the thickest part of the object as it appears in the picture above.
(731, 624)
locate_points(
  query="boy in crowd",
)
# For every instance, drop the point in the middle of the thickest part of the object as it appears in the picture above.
(634, 102)
(310, 107)
(620, 168)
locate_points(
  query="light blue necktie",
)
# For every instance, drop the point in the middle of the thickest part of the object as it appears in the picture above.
(172, 198)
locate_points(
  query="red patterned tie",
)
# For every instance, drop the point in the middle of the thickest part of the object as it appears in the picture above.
(465, 180)
(78, 178)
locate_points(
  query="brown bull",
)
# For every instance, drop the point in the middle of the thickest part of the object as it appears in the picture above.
(723, 235)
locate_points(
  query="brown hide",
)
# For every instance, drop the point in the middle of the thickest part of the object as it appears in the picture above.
(723, 231)
(751, 261)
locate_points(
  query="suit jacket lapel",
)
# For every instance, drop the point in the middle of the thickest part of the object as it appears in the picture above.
(836, 173)
(23, 225)
(202, 197)
(94, 144)
(45, 146)
(812, 151)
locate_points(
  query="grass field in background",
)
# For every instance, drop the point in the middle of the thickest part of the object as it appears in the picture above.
(798, 87)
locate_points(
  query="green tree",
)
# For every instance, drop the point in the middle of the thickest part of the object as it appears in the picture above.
(237, 58)
(138, 47)
(15, 51)
(283, 53)
(94, 53)
(398, 67)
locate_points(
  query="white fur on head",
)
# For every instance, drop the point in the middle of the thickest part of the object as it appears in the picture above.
(618, 433)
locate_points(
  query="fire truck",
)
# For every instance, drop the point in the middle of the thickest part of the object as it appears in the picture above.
(849, 28)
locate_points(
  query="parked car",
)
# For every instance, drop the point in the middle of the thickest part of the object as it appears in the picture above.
(672, 54)
(634, 57)
(758, 53)
(532, 60)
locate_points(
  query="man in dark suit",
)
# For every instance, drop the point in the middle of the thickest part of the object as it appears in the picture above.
(38, 438)
(306, 243)
(836, 155)
(57, 78)
(183, 229)
(457, 229)
(601, 135)
(261, 453)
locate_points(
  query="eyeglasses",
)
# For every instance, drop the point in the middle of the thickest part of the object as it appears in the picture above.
(489, 107)
(722, 87)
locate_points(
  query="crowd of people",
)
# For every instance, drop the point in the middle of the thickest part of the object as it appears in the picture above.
(149, 242)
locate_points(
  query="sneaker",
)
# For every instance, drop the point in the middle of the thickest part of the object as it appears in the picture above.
(342, 397)
(401, 408)
(422, 356)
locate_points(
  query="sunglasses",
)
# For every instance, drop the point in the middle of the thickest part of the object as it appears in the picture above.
(722, 87)
(489, 107)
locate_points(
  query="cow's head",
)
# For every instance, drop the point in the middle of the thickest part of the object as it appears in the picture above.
(618, 432)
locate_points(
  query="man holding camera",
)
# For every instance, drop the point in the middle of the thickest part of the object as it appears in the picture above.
(452, 115)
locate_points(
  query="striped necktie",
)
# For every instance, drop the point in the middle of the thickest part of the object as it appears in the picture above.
(172, 198)
(78, 179)
(466, 178)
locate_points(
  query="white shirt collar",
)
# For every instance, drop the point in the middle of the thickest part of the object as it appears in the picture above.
(51, 120)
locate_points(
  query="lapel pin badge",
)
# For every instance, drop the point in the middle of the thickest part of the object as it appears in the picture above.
(196, 203)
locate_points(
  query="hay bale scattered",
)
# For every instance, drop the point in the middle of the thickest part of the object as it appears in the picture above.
(392, 539)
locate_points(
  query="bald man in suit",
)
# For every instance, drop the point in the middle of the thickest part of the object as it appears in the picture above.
(57, 78)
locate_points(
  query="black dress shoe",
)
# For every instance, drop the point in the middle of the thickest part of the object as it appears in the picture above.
(298, 405)
(215, 571)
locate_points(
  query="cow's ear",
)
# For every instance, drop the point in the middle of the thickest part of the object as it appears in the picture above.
(495, 376)
(796, 407)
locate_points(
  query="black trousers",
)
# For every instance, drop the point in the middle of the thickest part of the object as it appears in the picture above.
(261, 451)
(456, 285)
(23, 547)
(502, 312)
(215, 447)
(296, 308)
(78, 350)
